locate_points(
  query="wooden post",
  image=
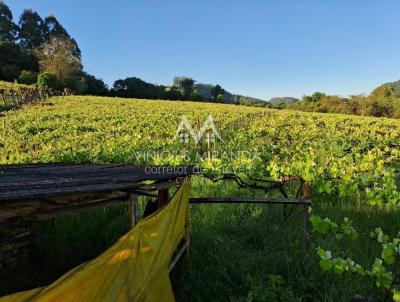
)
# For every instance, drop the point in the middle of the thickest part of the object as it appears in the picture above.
(284, 212)
(133, 209)
(186, 237)
(163, 196)
(306, 222)
(208, 147)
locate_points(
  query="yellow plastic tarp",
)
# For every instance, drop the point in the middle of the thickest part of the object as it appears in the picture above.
(135, 268)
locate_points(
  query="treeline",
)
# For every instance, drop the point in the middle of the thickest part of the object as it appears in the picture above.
(384, 101)
(182, 88)
(41, 51)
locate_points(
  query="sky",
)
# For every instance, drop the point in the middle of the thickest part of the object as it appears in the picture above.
(257, 48)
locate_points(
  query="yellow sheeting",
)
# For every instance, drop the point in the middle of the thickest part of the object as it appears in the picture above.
(134, 269)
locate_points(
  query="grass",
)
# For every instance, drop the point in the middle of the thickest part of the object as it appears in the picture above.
(236, 252)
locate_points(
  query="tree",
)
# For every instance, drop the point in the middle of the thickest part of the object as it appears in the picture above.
(8, 29)
(56, 30)
(137, 88)
(58, 58)
(27, 77)
(315, 97)
(219, 98)
(33, 30)
(77, 84)
(95, 86)
(172, 93)
(184, 85)
(13, 60)
(216, 91)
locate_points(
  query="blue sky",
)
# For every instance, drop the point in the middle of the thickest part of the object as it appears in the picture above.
(257, 48)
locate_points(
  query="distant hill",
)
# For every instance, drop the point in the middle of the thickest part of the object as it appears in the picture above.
(387, 90)
(283, 101)
(207, 92)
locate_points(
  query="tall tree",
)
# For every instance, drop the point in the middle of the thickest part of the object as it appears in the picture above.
(33, 31)
(58, 58)
(8, 29)
(56, 30)
(184, 85)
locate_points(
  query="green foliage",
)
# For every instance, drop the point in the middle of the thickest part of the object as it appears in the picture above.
(32, 30)
(135, 87)
(95, 86)
(27, 77)
(56, 30)
(47, 41)
(273, 289)
(315, 97)
(57, 57)
(184, 85)
(79, 85)
(47, 80)
(9, 72)
(13, 60)
(384, 90)
(8, 29)
(324, 226)
(380, 268)
(384, 101)
(217, 92)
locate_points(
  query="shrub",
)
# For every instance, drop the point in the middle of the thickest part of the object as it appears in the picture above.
(27, 77)
(47, 80)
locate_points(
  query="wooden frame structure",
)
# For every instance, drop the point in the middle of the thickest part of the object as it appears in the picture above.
(305, 202)
(40, 191)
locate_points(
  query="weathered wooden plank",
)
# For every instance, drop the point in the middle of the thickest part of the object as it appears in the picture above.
(217, 200)
(46, 180)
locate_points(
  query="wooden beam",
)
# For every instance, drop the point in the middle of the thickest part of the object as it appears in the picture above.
(284, 201)
(77, 208)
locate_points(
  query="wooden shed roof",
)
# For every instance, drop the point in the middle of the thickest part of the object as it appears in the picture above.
(26, 181)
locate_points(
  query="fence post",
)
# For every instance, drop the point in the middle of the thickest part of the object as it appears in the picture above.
(133, 209)
(163, 195)
(306, 222)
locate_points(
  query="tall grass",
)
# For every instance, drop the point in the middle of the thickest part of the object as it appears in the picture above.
(235, 249)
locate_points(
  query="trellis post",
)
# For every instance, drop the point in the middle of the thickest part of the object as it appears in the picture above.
(163, 195)
(306, 222)
(133, 209)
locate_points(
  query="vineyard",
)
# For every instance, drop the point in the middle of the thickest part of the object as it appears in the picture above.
(13, 95)
(244, 252)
